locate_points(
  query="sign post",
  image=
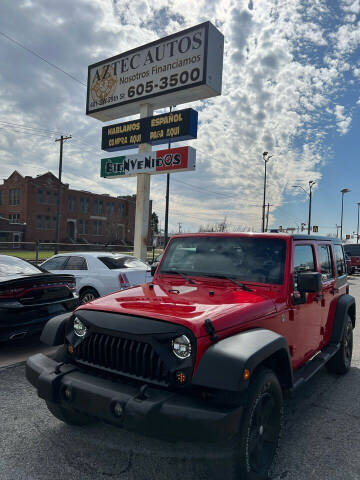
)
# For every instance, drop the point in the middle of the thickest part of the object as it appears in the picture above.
(180, 68)
(142, 197)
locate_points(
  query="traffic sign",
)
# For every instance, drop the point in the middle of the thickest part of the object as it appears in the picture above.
(315, 228)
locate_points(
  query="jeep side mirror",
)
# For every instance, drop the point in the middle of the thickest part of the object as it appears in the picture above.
(153, 270)
(309, 282)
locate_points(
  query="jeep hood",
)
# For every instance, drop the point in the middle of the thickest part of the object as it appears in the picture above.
(188, 304)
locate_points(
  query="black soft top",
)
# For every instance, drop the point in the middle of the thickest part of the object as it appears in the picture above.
(299, 236)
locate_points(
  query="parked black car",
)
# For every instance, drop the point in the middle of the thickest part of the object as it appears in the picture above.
(30, 296)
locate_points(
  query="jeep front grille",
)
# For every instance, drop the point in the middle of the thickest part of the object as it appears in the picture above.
(122, 355)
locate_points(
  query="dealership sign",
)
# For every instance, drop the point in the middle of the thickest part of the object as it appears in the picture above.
(179, 159)
(173, 126)
(181, 68)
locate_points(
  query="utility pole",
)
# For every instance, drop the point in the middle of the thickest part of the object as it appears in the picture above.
(166, 228)
(267, 217)
(62, 139)
(179, 223)
(358, 220)
(266, 158)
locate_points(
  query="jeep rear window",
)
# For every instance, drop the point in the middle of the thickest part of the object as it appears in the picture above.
(258, 260)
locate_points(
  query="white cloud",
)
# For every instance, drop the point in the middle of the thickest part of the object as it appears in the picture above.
(277, 95)
(343, 120)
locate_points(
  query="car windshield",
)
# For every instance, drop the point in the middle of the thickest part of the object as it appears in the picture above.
(114, 262)
(258, 260)
(15, 266)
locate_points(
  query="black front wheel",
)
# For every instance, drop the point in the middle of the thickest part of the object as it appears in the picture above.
(88, 295)
(259, 433)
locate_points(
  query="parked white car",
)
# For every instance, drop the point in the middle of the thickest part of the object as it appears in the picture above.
(99, 273)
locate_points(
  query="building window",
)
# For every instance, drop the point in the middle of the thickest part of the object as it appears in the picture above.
(83, 227)
(110, 208)
(14, 196)
(84, 205)
(39, 223)
(98, 207)
(47, 222)
(14, 217)
(56, 196)
(71, 203)
(54, 222)
(48, 197)
(122, 209)
(97, 227)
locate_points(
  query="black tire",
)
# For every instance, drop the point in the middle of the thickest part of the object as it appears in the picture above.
(341, 361)
(70, 417)
(258, 438)
(88, 295)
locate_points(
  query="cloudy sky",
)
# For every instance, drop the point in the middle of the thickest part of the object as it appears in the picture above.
(290, 86)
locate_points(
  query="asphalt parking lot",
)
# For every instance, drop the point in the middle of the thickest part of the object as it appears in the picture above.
(320, 440)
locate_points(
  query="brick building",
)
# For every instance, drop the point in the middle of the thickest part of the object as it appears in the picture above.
(85, 217)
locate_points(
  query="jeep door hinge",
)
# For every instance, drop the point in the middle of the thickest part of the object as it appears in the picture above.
(209, 327)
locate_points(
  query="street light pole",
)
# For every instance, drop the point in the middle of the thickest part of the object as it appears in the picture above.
(358, 219)
(309, 194)
(343, 191)
(266, 158)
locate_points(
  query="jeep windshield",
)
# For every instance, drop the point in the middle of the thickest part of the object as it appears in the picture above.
(252, 259)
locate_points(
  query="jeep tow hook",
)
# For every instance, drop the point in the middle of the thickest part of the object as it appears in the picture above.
(209, 327)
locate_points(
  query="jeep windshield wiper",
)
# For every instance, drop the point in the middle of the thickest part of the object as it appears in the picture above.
(177, 272)
(232, 279)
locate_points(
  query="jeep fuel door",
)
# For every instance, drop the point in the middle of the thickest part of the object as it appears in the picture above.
(307, 316)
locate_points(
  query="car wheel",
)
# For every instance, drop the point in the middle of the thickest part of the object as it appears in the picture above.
(257, 441)
(341, 361)
(71, 417)
(88, 295)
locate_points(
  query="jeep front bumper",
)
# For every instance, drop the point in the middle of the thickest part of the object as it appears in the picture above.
(157, 412)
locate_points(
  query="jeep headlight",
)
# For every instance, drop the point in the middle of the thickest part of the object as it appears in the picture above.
(79, 327)
(181, 347)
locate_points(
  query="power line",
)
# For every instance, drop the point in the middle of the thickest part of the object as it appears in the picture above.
(41, 58)
(19, 125)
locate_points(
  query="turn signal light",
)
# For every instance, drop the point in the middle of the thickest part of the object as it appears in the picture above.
(181, 377)
(70, 349)
(124, 281)
(246, 374)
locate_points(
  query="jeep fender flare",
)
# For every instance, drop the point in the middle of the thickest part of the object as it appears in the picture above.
(53, 333)
(345, 306)
(224, 362)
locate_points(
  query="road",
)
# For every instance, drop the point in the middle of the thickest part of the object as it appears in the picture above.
(320, 440)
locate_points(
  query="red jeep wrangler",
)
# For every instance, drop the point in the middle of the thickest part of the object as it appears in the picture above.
(206, 350)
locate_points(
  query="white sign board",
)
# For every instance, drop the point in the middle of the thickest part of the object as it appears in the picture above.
(183, 67)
